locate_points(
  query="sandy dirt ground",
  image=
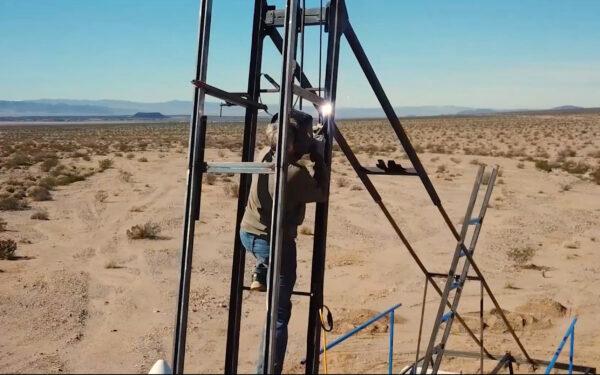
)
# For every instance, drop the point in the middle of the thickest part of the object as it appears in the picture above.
(80, 296)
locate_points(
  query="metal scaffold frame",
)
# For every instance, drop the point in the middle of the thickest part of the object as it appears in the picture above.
(333, 18)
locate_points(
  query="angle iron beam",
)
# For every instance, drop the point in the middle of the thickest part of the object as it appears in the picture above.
(228, 97)
(249, 143)
(194, 188)
(279, 194)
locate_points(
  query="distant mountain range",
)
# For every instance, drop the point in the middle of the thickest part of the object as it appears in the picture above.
(69, 107)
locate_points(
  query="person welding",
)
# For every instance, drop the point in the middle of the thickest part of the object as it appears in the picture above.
(301, 188)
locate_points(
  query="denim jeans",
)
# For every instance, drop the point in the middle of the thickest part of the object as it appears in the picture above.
(259, 246)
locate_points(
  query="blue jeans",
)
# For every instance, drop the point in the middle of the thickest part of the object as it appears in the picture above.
(259, 247)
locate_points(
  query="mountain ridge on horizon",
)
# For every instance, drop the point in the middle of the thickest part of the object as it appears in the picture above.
(112, 107)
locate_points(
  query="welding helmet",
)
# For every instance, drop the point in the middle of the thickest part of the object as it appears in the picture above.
(301, 124)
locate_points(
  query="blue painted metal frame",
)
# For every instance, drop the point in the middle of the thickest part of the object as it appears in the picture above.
(570, 334)
(354, 331)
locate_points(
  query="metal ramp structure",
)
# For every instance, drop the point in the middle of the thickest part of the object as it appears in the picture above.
(332, 20)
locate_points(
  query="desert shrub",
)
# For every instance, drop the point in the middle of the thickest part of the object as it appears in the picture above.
(18, 159)
(356, 187)
(68, 179)
(101, 196)
(40, 215)
(485, 180)
(543, 165)
(130, 156)
(111, 264)
(149, 231)
(596, 175)
(118, 154)
(39, 194)
(125, 176)
(475, 162)
(521, 165)
(7, 249)
(48, 164)
(47, 182)
(3, 225)
(105, 164)
(12, 204)
(566, 187)
(341, 182)
(520, 255)
(579, 167)
(210, 178)
(306, 230)
(143, 160)
(441, 169)
(231, 189)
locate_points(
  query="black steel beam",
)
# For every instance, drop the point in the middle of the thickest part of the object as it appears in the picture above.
(504, 361)
(336, 24)
(193, 190)
(249, 143)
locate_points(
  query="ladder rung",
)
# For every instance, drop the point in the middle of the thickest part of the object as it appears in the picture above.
(447, 316)
(241, 168)
(475, 221)
(228, 97)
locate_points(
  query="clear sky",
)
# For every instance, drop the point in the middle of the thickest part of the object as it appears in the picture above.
(500, 54)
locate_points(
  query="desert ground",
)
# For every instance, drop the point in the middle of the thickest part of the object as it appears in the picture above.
(95, 213)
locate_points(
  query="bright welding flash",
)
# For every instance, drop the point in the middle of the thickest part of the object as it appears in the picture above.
(326, 109)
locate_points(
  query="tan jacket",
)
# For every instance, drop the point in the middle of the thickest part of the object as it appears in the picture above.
(301, 188)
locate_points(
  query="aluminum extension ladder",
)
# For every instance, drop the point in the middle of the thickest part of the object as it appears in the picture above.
(456, 281)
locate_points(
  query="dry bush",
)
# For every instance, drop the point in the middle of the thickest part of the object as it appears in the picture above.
(596, 175)
(39, 194)
(12, 204)
(306, 230)
(231, 189)
(341, 182)
(105, 164)
(356, 187)
(136, 209)
(3, 225)
(40, 215)
(101, 196)
(47, 182)
(143, 160)
(7, 249)
(572, 167)
(48, 164)
(17, 160)
(543, 165)
(125, 176)
(130, 156)
(520, 165)
(521, 255)
(210, 178)
(566, 187)
(455, 160)
(112, 264)
(149, 231)
(441, 168)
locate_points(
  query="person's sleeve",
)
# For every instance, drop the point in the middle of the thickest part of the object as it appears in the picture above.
(305, 188)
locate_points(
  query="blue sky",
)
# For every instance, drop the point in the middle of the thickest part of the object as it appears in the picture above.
(501, 54)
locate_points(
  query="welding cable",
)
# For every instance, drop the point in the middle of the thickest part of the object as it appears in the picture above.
(325, 328)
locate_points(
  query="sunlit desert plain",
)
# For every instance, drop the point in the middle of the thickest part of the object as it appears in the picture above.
(90, 238)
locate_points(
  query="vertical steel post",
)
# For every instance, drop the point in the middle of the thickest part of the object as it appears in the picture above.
(194, 188)
(336, 24)
(249, 142)
(481, 327)
(278, 212)
(571, 350)
(391, 349)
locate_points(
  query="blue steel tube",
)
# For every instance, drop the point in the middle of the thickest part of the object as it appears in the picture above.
(571, 350)
(569, 334)
(352, 332)
(391, 354)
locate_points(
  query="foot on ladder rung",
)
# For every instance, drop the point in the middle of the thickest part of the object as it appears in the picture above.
(447, 316)
(455, 284)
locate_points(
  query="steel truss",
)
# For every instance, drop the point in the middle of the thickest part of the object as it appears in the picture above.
(266, 21)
